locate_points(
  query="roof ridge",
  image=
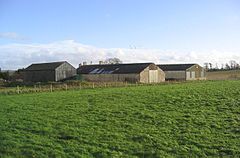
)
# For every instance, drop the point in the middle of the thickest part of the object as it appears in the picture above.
(175, 67)
(180, 64)
(118, 64)
(49, 62)
(45, 66)
(113, 68)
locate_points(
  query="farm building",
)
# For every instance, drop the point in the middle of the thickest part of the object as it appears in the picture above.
(44, 72)
(183, 72)
(137, 72)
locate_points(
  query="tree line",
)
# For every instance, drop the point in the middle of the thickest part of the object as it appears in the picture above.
(231, 65)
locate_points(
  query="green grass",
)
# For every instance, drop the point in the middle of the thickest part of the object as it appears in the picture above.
(179, 120)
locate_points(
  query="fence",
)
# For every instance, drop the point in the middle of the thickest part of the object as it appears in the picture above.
(62, 87)
(75, 86)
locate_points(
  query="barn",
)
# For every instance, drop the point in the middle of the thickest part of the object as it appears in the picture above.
(183, 71)
(44, 72)
(135, 72)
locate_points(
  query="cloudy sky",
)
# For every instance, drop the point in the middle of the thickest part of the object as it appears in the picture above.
(161, 31)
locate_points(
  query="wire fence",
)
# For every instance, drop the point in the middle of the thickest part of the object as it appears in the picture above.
(62, 87)
(53, 87)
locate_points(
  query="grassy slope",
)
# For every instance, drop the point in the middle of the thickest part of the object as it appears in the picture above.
(192, 119)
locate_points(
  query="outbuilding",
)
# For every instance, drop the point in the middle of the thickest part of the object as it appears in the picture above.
(44, 72)
(183, 71)
(135, 72)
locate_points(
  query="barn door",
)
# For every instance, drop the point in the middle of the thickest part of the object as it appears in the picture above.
(188, 75)
(202, 73)
(64, 74)
(153, 76)
(193, 74)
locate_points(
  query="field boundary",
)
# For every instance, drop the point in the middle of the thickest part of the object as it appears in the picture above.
(80, 86)
(223, 75)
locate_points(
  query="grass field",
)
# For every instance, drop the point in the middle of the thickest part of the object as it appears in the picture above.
(178, 120)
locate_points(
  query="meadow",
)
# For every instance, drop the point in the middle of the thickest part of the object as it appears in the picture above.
(196, 119)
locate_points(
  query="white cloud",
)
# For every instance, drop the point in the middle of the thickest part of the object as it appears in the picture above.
(14, 56)
(12, 36)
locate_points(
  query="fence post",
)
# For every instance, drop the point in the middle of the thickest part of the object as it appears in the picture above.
(105, 85)
(66, 87)
(40, 88)
(35, 88)
(93, 85)
(18, 90)
(80, 87)
(51, 88)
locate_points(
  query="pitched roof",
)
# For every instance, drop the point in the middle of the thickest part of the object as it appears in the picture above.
(113, 68)
(44, 66)
(175, 67)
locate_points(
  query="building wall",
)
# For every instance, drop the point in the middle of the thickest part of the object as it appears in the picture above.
(146, 73)
(65, 71)
(111, 77)
(39, 76)
(142, 77)
(223, 75)
(196, 72)
(175, 75)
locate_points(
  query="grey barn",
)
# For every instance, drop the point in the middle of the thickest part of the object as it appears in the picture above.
(136, 72)
(44, 72)
(183, 71)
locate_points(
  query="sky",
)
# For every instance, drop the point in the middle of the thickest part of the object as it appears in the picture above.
(160, 31)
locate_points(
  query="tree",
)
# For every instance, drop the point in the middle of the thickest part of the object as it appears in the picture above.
(210, 65)
(237, 66)
(233, 64)
(4, 75)
(222, 67)
(113, 61)
(206, 66)
(227, 67)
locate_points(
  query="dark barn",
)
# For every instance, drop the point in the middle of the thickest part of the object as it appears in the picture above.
(44, 72)
(135, 72)
(183, 72)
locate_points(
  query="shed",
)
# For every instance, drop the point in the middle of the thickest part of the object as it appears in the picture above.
(183, 71)
(134, 72)
(44, 72)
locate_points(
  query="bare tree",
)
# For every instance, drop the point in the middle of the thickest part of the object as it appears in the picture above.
(233, 64)
(206, 66)
(222, 67)
(210, 65)
(113, 61)
(227, 67)
(237, 66)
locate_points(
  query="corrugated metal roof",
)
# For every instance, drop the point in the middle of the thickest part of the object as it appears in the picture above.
(113, 68)
(175, 67)
(44, 66)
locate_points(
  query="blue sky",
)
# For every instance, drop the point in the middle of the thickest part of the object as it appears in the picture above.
(182, 26)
